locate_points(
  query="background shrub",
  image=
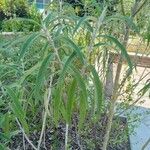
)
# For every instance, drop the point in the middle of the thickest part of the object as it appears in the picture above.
(10, 10)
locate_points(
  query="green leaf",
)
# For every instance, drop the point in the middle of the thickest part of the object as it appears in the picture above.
(4, 136)
(41, 74)
(102, 17)
(75, 47)
(18, 109)
(99, 44)
(67, 65)
(84, 21)
(89, 27)
(99, 93)
(28, 43)
(14, 67)
(121, 47)
(6, 126)
(125, 19)
(83, 96)
(17, 40)
(80, 22)
(57, 103)
(50, 18)
(3, 147)
(70, 100)
(29, 72)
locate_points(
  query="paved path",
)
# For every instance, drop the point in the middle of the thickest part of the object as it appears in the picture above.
(142, 132)
(142, 109)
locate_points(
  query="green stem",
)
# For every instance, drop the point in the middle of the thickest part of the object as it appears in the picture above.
(66, 136)
(122, 7)
(45, 113)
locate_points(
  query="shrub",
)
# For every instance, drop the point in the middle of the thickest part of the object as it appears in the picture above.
(56, 76)
(18, 9)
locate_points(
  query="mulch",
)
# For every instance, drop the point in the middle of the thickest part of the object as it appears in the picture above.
(90, 138)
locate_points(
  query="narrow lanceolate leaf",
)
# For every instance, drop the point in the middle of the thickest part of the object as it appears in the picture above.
(50, 19)
(3, 136)
(28, 43)
(79, 24)
(99, 93)
(59, 108)
(29, 72)
(75, 48)
(70, 100)
(100, 44)
(102, 17)
(83, 96)
(121, 47)
(18, 109)
(89, 26)
(13, 67)
(125, 19)
(41, 73)
(13, 42)
(84, 21)
(2, 147)
(67, 65)
(57, 103)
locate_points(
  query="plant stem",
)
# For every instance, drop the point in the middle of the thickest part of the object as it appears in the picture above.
(50, 40)
(112, 108)
(115, 94)
(43, 128)
(109, 80)
(26, 137)
(94, 34)
(45, 113)
(24, 146)
(137, 10)
(77, 136)
(61, 4)
(66, 136)
(116, 84)
(122, 7)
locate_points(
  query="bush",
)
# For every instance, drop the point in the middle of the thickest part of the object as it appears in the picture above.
(21, 9)
(55, 78)
(11, 25)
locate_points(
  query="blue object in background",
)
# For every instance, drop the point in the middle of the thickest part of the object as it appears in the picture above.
(40, 5)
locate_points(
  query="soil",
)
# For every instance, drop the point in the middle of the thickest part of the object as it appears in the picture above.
(90, 138)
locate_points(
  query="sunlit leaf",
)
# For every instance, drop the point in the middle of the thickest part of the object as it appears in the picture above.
(18, 109)
(83, 96)
(99, 93)
(70, 100)
(75, 48)
(28, 43)
(125, 19)
(41, 73)
(121, 47)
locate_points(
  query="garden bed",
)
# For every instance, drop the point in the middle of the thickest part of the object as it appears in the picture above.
(90, 138)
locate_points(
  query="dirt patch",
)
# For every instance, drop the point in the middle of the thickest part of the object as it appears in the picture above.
(90, 137)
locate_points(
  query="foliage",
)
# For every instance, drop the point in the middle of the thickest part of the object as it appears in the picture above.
(19, 8)
(48, 77)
